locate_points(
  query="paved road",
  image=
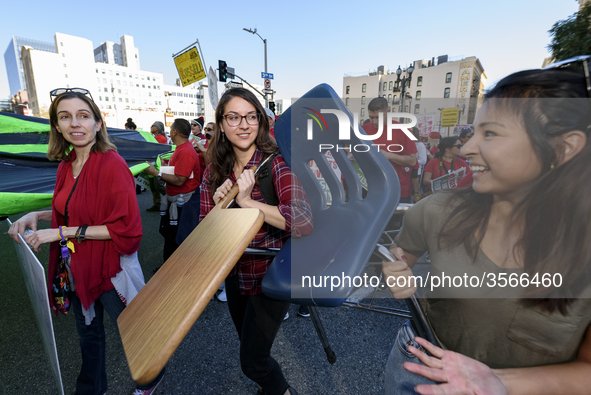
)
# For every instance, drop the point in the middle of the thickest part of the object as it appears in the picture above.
(207, 360)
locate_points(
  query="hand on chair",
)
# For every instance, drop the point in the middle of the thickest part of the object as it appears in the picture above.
(398, 275)
(222, 191)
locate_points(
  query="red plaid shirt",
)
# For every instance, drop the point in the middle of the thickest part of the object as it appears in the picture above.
(293, 206)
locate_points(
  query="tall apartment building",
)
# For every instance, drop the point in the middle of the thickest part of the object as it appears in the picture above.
(433, 86)
(112, 73)
(14, 67)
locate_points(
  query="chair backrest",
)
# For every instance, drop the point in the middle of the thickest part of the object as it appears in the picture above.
(321, 268)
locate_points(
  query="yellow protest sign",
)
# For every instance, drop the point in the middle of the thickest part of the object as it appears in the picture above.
(189, 66)
(449, 116)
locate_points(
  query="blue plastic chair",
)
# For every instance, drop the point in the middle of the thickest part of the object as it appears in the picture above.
(345, 234)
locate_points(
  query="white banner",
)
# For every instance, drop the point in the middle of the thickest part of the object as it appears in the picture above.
(34, 276)
(212, 83)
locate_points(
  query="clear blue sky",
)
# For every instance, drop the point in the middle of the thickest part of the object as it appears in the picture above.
(309, 42)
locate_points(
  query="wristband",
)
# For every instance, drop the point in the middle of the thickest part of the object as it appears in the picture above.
(81, 234)
(159, 176)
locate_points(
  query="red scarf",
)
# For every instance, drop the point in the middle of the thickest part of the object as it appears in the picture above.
(104, 195)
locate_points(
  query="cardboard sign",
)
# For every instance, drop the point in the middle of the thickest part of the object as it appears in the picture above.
(189, 66)
(448, 181)
(34, 276)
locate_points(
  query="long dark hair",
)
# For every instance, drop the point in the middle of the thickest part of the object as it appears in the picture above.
(222, 153)
(555, 213)
(445, 143)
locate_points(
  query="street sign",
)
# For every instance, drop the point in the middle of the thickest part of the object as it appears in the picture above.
(268, 91)
(267, 75)
(267, 83)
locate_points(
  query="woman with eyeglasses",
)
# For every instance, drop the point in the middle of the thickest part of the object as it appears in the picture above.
(94, 204)
(242, 141)
(446, 161)
(523, 227)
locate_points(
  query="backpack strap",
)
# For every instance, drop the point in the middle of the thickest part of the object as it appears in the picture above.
(266, 186)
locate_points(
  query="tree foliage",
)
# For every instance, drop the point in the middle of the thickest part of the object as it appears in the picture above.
(572, 36)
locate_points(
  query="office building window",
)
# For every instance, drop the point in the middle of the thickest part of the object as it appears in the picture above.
(420, 81)
(363, 112)
(348, 89)
(363, 88)
(385, 87)
(418, 95)
(417, 109)
(362, 99)
(448, 78)
(390, 86)
(347, 101)
(389, 98)
(446, 93)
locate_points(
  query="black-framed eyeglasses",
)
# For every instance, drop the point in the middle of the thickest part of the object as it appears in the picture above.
(236, 119)
(208, 129)
(60, 91)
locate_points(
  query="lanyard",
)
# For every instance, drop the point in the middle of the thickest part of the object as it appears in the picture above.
(442, 166)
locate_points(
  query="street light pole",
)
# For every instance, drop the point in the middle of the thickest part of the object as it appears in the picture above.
(264, 42)
(405, 80)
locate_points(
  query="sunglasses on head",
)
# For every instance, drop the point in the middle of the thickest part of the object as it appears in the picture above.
(60, 91)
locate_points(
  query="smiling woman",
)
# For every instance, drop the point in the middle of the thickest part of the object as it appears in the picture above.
(526, 216)
(241, 141)
(94, 203)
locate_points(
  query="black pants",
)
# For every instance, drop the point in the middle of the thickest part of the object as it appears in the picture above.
(257, 319)
(169, 231)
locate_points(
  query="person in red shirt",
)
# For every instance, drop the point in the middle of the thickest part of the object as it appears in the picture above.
(180, 186)
(402, 161)
(446, 161)
(157, 130)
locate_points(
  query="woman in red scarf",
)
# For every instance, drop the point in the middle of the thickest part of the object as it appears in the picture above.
(94, 203)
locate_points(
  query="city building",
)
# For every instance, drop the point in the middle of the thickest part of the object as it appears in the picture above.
(14, 67)
(431, 86)
(112, 73)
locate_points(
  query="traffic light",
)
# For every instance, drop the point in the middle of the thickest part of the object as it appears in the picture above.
(222, 70)
(272, 106)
